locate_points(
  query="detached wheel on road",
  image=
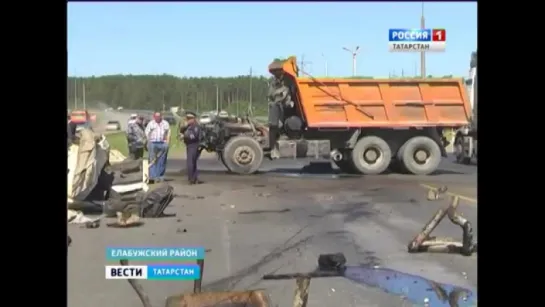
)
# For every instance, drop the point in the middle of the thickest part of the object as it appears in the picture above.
(371, 155)
(242, 155)
(420, 155)
(459, 151)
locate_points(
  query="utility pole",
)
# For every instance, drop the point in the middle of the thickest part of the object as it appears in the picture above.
(303, 64)
(163, 91)
(325, 64)
(181, 101)
(423, 54)
(83, 96)
(238, 100)
(251, 92)
(354, 54)
(75, 92)
(217, 100)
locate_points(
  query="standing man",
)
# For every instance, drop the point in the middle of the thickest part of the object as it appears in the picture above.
(158, 136)
(191, 134)
(132, 118)
(136, 138)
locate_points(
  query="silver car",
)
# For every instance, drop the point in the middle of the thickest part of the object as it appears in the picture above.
(113, 125)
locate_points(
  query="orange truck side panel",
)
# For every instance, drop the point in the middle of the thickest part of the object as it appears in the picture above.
(389, 103)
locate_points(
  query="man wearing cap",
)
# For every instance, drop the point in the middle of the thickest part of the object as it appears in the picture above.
(136, 138)
(132, 118)
(191, 134)
(158, 135)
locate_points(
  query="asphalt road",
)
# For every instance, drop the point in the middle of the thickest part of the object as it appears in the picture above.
(280, 221)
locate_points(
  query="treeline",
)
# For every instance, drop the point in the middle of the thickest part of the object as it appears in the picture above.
(156, 92)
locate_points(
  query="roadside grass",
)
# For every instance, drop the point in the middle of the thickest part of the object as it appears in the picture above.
(118, 141)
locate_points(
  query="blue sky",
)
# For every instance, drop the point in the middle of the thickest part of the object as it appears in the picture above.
(226, 39)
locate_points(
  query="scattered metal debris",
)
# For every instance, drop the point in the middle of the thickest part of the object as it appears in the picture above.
(424, 243)
(187, 196)
(300, 297)
(126, 220)
(257, 298)
(435, 194)
(264, 211)
(93, 224)
(266, 195)
(415, 289)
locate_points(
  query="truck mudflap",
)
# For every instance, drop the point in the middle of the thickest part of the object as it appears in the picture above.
(317, 149)
(436, 136)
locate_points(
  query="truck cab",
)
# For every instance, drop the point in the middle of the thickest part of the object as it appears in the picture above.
(465, 144)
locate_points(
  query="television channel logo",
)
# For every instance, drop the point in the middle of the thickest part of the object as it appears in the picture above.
(417, 40)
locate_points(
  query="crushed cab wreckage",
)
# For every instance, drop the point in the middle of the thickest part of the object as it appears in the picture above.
(102, 180)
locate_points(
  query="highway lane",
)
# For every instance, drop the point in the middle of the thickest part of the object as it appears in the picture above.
(269, 222)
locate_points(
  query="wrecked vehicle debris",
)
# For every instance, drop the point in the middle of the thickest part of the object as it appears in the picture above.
(413, 288)
(98, 184)
(423, 242)
(257, 298)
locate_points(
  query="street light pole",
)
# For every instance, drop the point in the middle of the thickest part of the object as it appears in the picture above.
(422, 54)
(354, 54)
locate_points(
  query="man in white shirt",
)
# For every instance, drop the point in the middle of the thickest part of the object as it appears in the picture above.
(158, 136)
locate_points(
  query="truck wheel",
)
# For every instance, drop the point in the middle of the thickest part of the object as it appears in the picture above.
(420, 155)
(459, 151)
(371, 155)
(242, 155)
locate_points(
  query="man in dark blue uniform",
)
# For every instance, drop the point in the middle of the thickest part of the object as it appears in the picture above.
(191, 134)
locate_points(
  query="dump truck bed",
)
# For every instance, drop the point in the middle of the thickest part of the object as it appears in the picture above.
(396, 103)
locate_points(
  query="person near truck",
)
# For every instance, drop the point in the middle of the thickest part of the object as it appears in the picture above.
(136, 139)
(158, 135)
(191, 134)
(132, 118)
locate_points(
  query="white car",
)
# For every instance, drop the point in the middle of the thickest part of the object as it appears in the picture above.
(205, 119)
(113, 125)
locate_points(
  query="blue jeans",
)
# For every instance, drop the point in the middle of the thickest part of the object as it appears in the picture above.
(158, 152)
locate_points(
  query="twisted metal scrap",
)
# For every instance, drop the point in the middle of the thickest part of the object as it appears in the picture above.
(424, 243)
(300, 297)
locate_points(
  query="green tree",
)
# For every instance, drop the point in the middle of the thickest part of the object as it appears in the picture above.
(155, 92)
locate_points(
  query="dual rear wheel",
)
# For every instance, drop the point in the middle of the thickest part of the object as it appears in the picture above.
(372, 155)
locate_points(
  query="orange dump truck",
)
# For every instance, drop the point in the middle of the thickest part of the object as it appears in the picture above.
(363, 125)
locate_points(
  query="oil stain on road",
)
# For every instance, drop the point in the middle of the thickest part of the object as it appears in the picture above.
(415, 289)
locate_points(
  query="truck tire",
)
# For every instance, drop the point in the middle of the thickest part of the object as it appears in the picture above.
(459, 151)
(420, 155)
(242, 155)
(371, 155)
